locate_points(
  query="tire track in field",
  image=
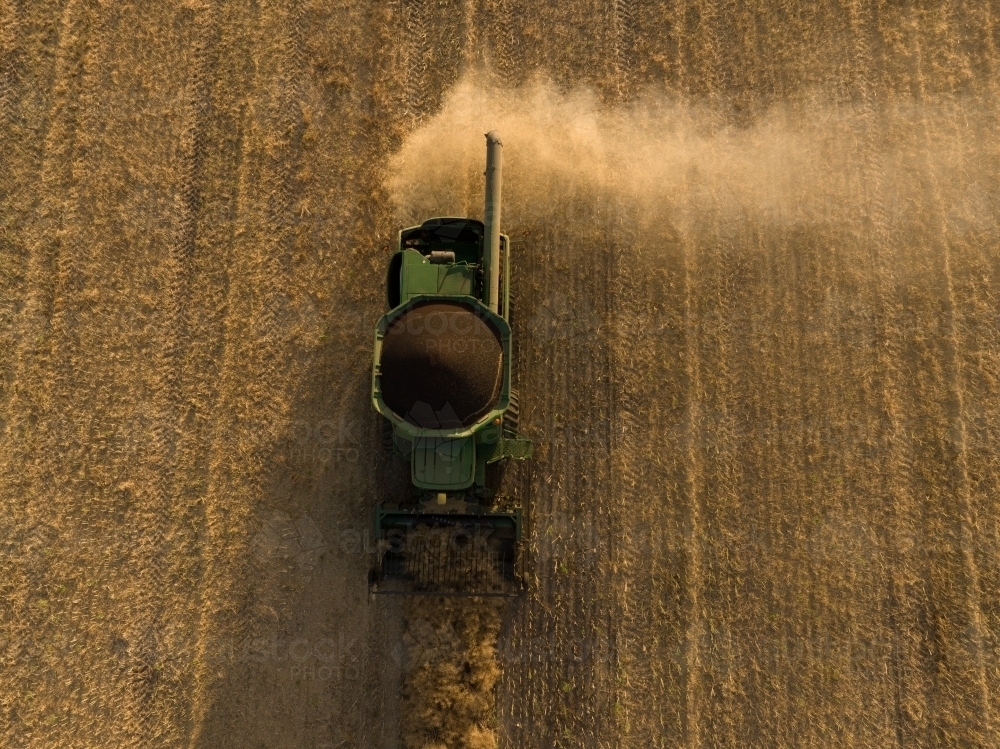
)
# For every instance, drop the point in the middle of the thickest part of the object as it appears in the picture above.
(55, 178)
(154, 561)
(71, 367)
(415, 49)
(33, 427)
(39, 404)
(256, 377)
(508, 53)
(966, 653)
(214, 150)
(27, 67)
(11, 62)
(12, 255)
(891, 463)
(125, 678)
(623, 29)
(62, 355)
(978, 342)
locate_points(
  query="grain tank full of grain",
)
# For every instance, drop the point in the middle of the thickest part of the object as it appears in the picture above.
(441, 380)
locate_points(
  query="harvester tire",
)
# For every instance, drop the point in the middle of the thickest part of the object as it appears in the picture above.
(386, 437)
(512, 416)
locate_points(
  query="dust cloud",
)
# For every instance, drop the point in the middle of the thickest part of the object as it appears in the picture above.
(806, 162)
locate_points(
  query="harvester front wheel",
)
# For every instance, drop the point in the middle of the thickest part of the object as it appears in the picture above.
(511, 416)
(386, 436)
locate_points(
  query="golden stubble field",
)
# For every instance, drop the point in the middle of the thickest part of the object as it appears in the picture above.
(756, 271)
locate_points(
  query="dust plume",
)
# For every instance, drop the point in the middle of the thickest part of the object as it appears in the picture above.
(808, 161)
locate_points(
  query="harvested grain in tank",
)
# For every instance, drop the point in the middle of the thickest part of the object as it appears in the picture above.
(442, 365)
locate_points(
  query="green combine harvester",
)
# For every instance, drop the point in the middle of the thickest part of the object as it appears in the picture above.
(441, 379)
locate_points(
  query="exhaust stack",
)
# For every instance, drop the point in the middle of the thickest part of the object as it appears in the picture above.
(491, 254)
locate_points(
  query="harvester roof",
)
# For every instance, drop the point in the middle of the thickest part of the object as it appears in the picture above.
(463, 236)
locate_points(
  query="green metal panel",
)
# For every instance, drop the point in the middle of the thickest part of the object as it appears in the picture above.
(455, 280)
(443, 463)
(417, 276)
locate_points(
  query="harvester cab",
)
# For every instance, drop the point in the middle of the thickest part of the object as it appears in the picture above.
(441, 380)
